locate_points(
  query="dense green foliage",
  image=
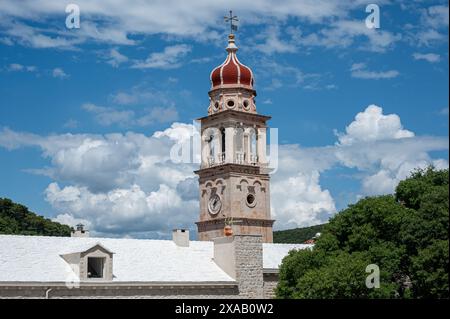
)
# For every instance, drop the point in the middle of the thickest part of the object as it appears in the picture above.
(297, 235)
(17, 219)
(405, 235)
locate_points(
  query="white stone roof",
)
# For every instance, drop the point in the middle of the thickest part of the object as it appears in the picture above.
(273, 254)
(38, 259)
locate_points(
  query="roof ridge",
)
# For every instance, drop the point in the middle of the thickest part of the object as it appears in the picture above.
(91, 238)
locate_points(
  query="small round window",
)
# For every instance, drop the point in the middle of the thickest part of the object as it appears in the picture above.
(251, 200)
(246, 104)
(230, 103)
(216, 105)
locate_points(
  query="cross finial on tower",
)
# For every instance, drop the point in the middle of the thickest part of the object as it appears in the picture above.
(231, 19)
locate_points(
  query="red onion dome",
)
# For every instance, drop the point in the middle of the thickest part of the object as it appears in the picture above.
(231, 72)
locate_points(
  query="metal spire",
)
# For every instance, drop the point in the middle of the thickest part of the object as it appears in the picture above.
(231, 19)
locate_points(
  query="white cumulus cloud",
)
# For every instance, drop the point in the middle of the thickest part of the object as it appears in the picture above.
(372, 125)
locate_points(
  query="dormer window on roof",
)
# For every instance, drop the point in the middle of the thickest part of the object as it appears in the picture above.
(90, 262)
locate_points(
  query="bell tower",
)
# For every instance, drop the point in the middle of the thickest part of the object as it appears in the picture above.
(233, 175)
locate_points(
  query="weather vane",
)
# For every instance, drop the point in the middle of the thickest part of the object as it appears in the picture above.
(231, 19)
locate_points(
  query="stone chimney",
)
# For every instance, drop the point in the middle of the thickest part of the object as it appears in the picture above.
(79, 231)
(241, 257)
(181, 237)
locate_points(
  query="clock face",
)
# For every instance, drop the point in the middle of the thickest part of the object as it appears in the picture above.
(214, 204)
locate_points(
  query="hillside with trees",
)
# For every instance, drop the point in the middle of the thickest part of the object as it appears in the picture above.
(297, 235)
(18, 220)
(404, 234)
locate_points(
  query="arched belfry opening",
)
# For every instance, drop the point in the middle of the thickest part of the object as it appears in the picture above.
(222, 137)
(240, 155)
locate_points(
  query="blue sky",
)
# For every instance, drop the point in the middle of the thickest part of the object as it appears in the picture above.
(88, 116)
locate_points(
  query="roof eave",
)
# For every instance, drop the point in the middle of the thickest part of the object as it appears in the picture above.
(25, 284)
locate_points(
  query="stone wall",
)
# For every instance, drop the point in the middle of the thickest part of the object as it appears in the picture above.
(119, 291)
(210, 229)
(249, 265)
(156, 292)
(270, 283)
(241, 257)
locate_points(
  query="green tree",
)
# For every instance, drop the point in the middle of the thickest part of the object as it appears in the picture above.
(430, 270)
(297, 235)
(405, 235)
(17, 219)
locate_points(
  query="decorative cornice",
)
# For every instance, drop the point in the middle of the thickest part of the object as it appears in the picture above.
(233, 114)
(241, 221)
(230, 168)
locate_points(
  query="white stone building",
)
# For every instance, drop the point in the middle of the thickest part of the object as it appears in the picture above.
(239, 266)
